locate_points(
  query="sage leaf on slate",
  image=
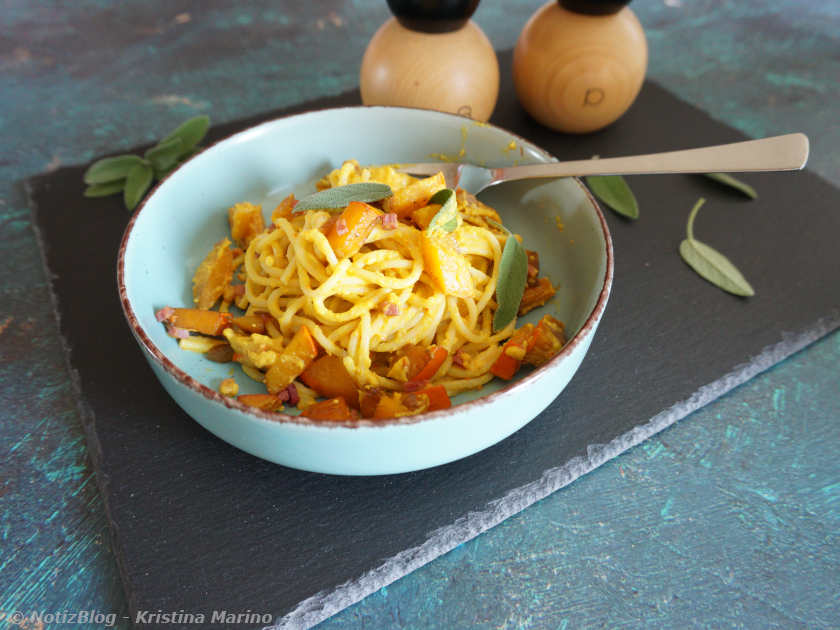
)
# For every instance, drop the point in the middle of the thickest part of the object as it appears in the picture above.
(446, 218)
(132, 175)
(614, 191)
(136, 184)
(511, 281)
(339, 197)
(164, 155)
(727, 180)
(709, 263)
(190, 133)
(111, 169)
(103, 190)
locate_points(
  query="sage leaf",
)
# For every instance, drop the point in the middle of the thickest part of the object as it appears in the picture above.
(340, 196)
(103, 190)
(190, 133)
(136, 184)
(111, 169)
(727, 180)
(164, 155)
(510, 284)
(614, 191)
(446, 218)
(709, 263)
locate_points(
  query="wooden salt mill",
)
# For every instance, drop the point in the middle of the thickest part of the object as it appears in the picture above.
(579, 64)
(432, 56)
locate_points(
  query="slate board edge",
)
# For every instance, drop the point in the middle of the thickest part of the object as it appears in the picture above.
(323, 605)
(86, 413)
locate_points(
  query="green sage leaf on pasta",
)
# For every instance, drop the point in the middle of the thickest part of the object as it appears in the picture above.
(190, 133)
(709, 263)
(614, 191)
(339, 197)
(165, 154)
(510, 284)
(446, 218)
(111, 169)
(103, 190)
(136, 184)
(736, 184)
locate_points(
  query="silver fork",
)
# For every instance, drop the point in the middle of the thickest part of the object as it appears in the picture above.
(778, 153)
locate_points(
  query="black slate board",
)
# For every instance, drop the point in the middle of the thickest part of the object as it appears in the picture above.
(199, 525)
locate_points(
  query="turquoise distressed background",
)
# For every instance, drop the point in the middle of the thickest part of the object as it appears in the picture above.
(728, 519)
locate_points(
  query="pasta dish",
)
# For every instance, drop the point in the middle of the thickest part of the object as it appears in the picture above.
(382, 295)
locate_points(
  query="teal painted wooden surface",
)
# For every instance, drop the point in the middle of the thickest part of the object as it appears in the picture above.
(729, 519)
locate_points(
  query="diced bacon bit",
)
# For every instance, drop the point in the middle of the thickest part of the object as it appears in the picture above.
(390, 220)
(178, 333)
(391, 309)
(165, 313)
(294, 396)
(271, 227)
(341, 226)
(236, 251)
(283, 395)
(239, 290)
(414, 386)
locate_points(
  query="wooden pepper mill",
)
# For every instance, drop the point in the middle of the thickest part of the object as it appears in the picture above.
(432, 56)
(579, 64)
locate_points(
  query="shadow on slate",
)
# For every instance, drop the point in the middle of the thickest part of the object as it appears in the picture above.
(199, 525)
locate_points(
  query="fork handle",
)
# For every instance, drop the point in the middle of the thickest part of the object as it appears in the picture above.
(778, 153)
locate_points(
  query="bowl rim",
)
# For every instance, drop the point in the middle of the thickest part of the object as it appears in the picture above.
(252, 413)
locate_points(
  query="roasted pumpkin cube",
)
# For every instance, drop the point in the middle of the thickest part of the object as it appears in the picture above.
(424, 215)
(213, 275)
(332, 409)
(406, 200)
(294, 359)
(199, 320)
(349, 232)
(284, 209)
(536, 295)
(446, 266)
(246, 221)
(546, 341)
(381, 405)
(330, 379)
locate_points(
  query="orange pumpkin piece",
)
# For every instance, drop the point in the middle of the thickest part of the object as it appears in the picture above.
(246, 221)
(446, 266)
(513, 353)
(284, 208)
(332, 409)
(330, 379)
(381, 405)
(250, 323)
(438, 356)
(294, 359)
(438, 398)
(213, 275)
(546, 341)
(201, 321)
(536, 295)
(349, 232)
(266, 402)
(424, 215)
(406, 200)
(416, 357)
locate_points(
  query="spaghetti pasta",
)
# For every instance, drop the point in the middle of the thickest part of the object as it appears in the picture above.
(403, 308)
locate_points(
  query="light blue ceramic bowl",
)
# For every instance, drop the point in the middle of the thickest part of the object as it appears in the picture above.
(172, 231)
